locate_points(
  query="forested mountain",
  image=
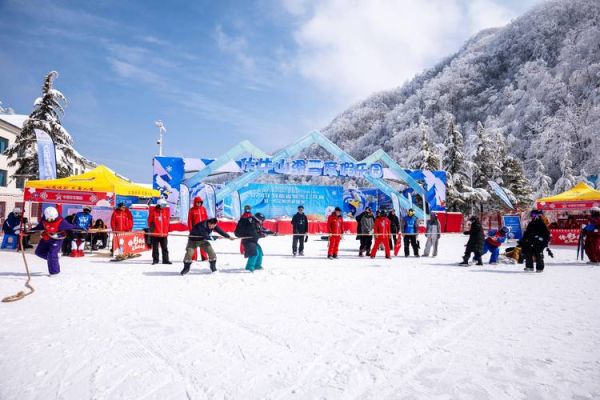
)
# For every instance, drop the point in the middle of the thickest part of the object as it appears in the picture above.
(534, 87)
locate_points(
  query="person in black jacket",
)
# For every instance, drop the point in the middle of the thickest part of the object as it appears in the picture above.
(535, 239)
(66, 244)
(251, 230)
(300, 229)
(475, 243)
(200, 235)
(394, 227)
(364, 229)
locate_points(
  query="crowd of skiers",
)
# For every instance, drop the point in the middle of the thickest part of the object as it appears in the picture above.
(386, 227)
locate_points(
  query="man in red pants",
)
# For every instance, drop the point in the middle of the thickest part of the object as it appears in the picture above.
(335, 228)
(196, 215)
(382, 230)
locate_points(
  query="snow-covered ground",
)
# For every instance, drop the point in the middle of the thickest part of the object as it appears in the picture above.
(304, 328)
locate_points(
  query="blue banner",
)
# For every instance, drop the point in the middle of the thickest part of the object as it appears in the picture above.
(46, 155)
(140, 219)
(513, 223)
(283, 200)
(501, 193)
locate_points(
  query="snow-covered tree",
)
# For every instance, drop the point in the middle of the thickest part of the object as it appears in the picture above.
(45, 116)
(426, 158)
(566, 180)
(515, 181)
(541, 183)
(6, 110)
(484, 159)
(583, 177)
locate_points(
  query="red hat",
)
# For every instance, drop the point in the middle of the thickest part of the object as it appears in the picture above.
(198, 199)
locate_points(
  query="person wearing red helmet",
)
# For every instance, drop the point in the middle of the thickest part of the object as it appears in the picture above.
(196, 215)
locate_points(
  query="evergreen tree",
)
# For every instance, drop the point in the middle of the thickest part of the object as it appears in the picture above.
(426, 158)
(583, 177)
(566, 180)
(484, 159)
(541, 182)
(46, 117)
(516, 182)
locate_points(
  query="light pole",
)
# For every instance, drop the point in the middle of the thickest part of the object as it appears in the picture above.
(161, 128)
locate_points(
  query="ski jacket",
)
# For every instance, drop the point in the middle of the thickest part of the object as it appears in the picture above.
(476, 237)
(300, 223)
(382, 225)
(195, 215)
(434, 228)
(495, 238)
(366, 222)
(83, 220)
(409, 224)
(201, 231)
(11, 224)
(158, 221)
(394, 223)
(335, 224)
(251, 230)
(121, 221)
(536, 235)
(593, 227)
(55, 230)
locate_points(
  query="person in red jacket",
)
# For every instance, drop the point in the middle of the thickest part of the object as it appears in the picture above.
(335, 228)
(120, 221)
(196, 215)
(158, 225)
(382, 230)
(592, 237)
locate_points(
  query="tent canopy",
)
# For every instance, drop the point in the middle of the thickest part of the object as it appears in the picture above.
(580, 197)
(100, 179)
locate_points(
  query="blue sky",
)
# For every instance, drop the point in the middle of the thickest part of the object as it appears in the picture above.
(218, 72)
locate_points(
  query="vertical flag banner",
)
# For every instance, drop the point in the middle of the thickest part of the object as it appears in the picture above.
(501, 193)
(46, 155)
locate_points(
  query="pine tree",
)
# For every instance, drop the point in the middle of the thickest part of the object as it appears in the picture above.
(484, 159)
(426, 159)
(566, 180)
(541, 182)
(516, 182)
(46, 117)
(583, 177)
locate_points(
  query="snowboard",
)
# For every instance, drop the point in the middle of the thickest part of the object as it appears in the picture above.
(123, 257)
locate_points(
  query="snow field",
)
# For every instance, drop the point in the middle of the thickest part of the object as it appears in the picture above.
(304, 328)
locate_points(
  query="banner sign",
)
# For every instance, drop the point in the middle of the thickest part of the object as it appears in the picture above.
(434, 183)
(46, 155)
(513, 223)
(130, 243)
(283, 200)
(568, 205)
(501, 193)
(565, 237)
(311, 167)
(140, 218)
(69, 197)
(356, 200)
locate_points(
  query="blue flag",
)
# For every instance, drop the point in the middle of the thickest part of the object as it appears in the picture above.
(46, 155)
(501, 193)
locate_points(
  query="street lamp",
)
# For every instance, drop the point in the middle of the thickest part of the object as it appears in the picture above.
(161, 128)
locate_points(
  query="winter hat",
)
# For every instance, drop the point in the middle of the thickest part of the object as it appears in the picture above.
(17, 210)
(247, 208)
(162, 203)
(536, 213)
(87, 208)
(50, 214)
(198, 199)
(473, 218)
(504, 230)
(121, 204)
(259, 216)
(300, 207)
(594, 209)
(338, 209)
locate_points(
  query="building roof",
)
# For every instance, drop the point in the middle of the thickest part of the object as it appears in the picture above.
(16, 120)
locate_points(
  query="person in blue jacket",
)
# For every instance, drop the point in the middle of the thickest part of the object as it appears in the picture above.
(410, 230)
(493, 241)
(82, 221)
(12, 226)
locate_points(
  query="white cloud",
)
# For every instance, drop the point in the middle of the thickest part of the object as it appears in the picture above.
(354, 48)
(235, 46)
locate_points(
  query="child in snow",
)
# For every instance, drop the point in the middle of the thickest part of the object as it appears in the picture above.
(494, 240)
(53, 229)
(251, 230)
(382, 234)
(335, 228)
(200, 236)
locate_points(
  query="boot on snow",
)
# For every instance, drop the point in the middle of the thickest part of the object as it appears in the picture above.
(213, 265)
(186, 268)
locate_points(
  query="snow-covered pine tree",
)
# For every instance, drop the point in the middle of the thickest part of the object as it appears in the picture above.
(484, 159)
(426, 158)
(566, 180)
(516, 182)
(583, 177)
(4, 110)
(459, 192)
(46, 117)
(541, 182)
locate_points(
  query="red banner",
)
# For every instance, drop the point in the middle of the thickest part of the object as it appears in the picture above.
(130, 242)
(565, 237)
(69, 197)
(568, 205)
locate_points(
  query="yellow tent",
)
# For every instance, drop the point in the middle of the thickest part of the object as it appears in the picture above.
(580, 197)
(100, 180)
